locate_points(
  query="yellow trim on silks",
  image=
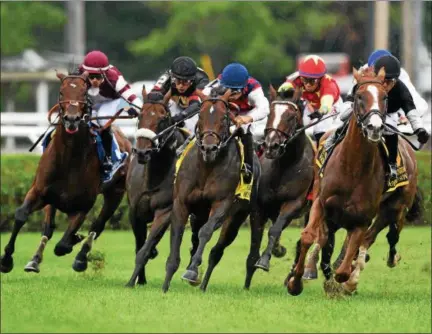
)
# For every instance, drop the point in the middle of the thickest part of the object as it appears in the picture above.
(326, 102)
(243, 190)
(402, 175)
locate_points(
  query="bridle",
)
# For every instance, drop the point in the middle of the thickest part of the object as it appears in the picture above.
(362, 119)
(223, 139)
(283, 137)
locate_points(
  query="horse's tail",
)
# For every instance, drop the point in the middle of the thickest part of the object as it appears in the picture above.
(416, 211)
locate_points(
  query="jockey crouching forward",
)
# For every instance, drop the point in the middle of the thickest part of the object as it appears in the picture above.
(184, 78)
(399, 97)
(253, 106)
(108, 91)
(319, 90)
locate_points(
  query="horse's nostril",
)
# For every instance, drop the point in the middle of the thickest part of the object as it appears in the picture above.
(214, 148)
(370, 126)
(275, 146)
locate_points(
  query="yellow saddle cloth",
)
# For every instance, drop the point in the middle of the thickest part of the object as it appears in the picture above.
(243, 190)
(402, 175)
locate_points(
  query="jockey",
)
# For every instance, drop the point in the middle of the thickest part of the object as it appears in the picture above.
(184, 78)
(399, 97)
(254, 107)
(107, 91)
(319, 89)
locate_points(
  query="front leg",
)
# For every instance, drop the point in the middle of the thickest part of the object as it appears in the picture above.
(288, 211)
(218, 213)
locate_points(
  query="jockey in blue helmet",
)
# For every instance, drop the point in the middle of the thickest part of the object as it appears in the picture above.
(253, 106)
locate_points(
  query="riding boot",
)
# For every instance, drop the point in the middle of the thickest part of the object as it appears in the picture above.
(332, 138)
(247, 140)
(392, 146)
(107, 140)
(318, 136)
(182, 147)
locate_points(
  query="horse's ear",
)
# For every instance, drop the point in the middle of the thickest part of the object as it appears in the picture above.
(356, 74)
(381, 74)
(272, 92)
(60, 75)
(226, 95)
(144, 94)
(85, 75)
(297, 94)
(167, 97)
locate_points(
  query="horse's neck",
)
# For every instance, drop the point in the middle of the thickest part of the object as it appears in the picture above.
(72, 150)
(158, 168)
(357, 153)
(294, 150)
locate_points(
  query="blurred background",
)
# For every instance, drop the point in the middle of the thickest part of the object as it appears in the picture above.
(142, 38)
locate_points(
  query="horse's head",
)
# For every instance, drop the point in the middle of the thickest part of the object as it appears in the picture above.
(72, 100)
(154, 118)
(370, 104)
(212, 130)
(285, 117)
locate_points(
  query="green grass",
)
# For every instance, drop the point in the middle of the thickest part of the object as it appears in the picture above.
(60, 300)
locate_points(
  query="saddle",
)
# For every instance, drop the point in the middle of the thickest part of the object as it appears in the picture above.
(324, 154)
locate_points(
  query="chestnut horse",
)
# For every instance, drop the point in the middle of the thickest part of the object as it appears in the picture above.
(286, 176)
(351, 192)
(68, 178)
(150, 180)
(206, 186)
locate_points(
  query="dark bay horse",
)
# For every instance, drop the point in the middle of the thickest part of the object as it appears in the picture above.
(206, 186)
(68, 179)
(351, 192)
(286, 176)
(150, 180)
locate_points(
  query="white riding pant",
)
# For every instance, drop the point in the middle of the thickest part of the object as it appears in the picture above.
(328, 124)
(108, 108)
(189, 123)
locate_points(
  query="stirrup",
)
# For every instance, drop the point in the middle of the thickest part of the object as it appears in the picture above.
(392, 171)
(109, 175)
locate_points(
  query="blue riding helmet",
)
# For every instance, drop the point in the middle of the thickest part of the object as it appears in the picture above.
(374, 56)
(234, 76)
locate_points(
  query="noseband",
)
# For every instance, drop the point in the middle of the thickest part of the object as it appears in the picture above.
(362, 119)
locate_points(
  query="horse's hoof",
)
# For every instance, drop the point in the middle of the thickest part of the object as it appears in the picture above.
(367, 258)
(310, 274)
(191, 277)
(130, 284)
(32, 267)
(6, 264)
(79, 266)
(62, 249)
(263, 263)
(342, 277)
(349, 289)
(279, 251)
(394, 263)
(294, 287)
(153, 253)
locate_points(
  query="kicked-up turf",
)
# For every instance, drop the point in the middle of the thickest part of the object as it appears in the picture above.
(60, 300)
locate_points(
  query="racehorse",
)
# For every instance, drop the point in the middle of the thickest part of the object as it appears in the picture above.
(206, 186)
(68, 178)
(352, 189)
(286, 176)
(150, 180)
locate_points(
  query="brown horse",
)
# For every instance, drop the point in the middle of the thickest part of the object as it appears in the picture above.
(150, 180)
(286, 176)
(68, 179)
(206, 186)
(351, 192)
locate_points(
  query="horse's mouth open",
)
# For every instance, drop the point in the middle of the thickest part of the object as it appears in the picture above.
(72, 129)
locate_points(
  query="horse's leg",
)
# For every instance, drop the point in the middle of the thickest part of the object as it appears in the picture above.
(69, 239)
(139, 228)
(393, 238)
(112, 199)
(196, 223)
(217, 215)
(32, 202)
(356, 237)
(257, 223)
(341, 255)
(144, 253)
(311, 269)
(287, 212)
(49, 226)
(310, 233)
(179, 214)
(229, 232)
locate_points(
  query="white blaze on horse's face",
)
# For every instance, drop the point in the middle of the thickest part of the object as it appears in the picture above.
(212, 109)
(279, 110)
(375, 120)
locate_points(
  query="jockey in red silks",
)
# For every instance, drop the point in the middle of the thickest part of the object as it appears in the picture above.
(108, 92)
(319, 89)
(253, 106)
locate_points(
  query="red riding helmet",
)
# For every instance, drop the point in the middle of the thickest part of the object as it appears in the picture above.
(95, 62)
(312, 66)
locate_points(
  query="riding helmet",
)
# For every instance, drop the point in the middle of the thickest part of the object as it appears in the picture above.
(95, 62)
(377, 54)
(391, 66)
(184, 68)
(235, 76)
